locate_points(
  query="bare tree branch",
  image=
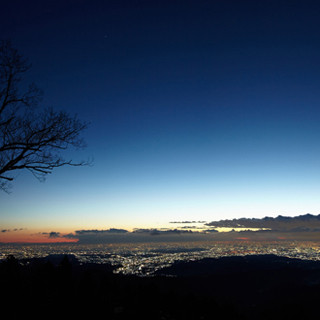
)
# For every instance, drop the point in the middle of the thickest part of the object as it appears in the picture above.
(30, 138)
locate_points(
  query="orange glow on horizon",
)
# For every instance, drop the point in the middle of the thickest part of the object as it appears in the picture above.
(31, 237)
(37, 240)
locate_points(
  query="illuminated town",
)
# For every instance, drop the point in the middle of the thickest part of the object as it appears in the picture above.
(145, 259)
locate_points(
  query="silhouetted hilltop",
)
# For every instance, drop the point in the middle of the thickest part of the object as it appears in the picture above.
(261, 286)
(238, 264)
(246, 287)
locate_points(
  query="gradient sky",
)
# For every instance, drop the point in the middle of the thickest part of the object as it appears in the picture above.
(198, 110)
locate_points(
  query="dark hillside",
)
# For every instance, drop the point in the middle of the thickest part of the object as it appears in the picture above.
(252, 287)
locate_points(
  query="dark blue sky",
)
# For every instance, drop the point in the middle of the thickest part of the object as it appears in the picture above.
(198, 109)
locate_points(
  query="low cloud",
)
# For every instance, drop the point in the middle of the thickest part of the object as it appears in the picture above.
(302, 223)
(12, 230)
(108, 231)
(52, 234)
(137, 235)
(185, 222)
(161, 232)
(211, 230)
(306, 227)
(98, 236)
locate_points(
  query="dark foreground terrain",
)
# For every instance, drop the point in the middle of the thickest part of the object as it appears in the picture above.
(251, 287)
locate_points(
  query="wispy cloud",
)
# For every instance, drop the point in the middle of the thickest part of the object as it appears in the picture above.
(12, 230)
(185, 222)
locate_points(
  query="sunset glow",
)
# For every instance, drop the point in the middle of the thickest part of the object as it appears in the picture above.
(200, 112)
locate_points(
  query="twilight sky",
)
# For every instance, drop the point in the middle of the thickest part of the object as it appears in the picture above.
(198, 110)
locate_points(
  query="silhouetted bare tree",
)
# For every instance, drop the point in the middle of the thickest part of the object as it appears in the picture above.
(30, 138)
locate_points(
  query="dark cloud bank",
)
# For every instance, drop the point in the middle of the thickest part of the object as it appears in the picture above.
(307, 222)
(138, 235)
(304, 227)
